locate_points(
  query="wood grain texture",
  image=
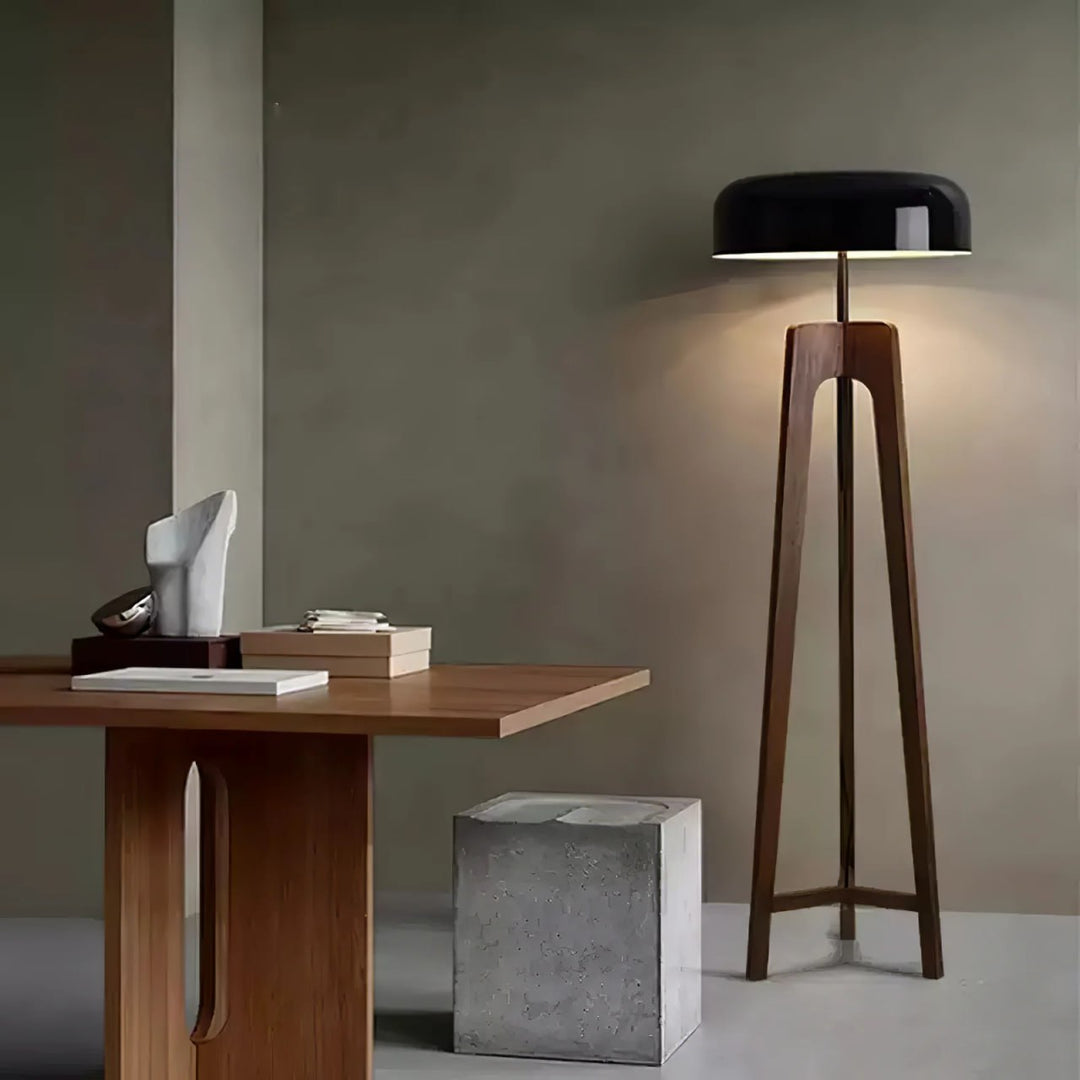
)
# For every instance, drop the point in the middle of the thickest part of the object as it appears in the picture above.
(299, 942)
(813, 354)
(286, 979)
(882, 898)
(473, 700)
(145, 1032)
(869, 353)
(873, 356)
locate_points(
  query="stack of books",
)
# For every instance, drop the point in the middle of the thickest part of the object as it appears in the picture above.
(351, 654)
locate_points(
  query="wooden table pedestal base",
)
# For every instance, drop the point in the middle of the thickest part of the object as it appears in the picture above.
(285, 952)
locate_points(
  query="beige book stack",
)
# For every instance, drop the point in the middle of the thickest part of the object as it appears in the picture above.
(374, 654)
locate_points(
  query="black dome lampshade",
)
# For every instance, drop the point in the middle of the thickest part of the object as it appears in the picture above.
(817, 215)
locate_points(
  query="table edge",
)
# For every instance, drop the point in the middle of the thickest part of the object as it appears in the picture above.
(415, 726)
(547, 711)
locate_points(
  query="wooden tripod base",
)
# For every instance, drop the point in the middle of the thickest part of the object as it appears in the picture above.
(868, 352)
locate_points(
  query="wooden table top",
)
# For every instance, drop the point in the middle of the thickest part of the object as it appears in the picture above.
(473, 700)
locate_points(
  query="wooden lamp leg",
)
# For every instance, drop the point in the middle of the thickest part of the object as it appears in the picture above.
(874, 357)
(869, 353)
(812, 355)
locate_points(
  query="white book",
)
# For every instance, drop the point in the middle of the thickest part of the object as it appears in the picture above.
(202, 680)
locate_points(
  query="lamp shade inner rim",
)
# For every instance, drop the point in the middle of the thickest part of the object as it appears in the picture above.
(814, 256)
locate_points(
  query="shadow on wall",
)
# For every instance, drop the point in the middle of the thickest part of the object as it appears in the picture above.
(644, 537)
(668, 445)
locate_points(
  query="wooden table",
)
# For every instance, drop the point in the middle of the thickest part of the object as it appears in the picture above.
(286, 836)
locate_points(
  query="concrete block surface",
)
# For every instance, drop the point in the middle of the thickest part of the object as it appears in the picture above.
(577, 927)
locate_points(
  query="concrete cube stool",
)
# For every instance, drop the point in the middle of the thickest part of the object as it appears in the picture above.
(577, 927)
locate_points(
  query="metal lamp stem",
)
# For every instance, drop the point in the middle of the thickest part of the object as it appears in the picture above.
(845, 460)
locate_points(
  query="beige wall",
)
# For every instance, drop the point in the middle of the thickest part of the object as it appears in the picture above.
(217, 282)
(85, 386)
(115, 403)
(507, 393)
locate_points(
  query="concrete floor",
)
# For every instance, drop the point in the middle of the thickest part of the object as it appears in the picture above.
(1007, 1009)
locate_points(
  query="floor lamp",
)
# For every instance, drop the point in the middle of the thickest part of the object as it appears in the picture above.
(842, 216)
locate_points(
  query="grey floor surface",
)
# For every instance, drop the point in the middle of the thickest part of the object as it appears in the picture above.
(1008, 1007)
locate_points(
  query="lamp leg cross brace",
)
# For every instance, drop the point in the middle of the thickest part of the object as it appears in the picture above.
(869, 353)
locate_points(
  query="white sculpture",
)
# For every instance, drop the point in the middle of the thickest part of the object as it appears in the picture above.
(185, 555)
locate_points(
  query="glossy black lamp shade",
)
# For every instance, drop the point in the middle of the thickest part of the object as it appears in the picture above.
(868, 215)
